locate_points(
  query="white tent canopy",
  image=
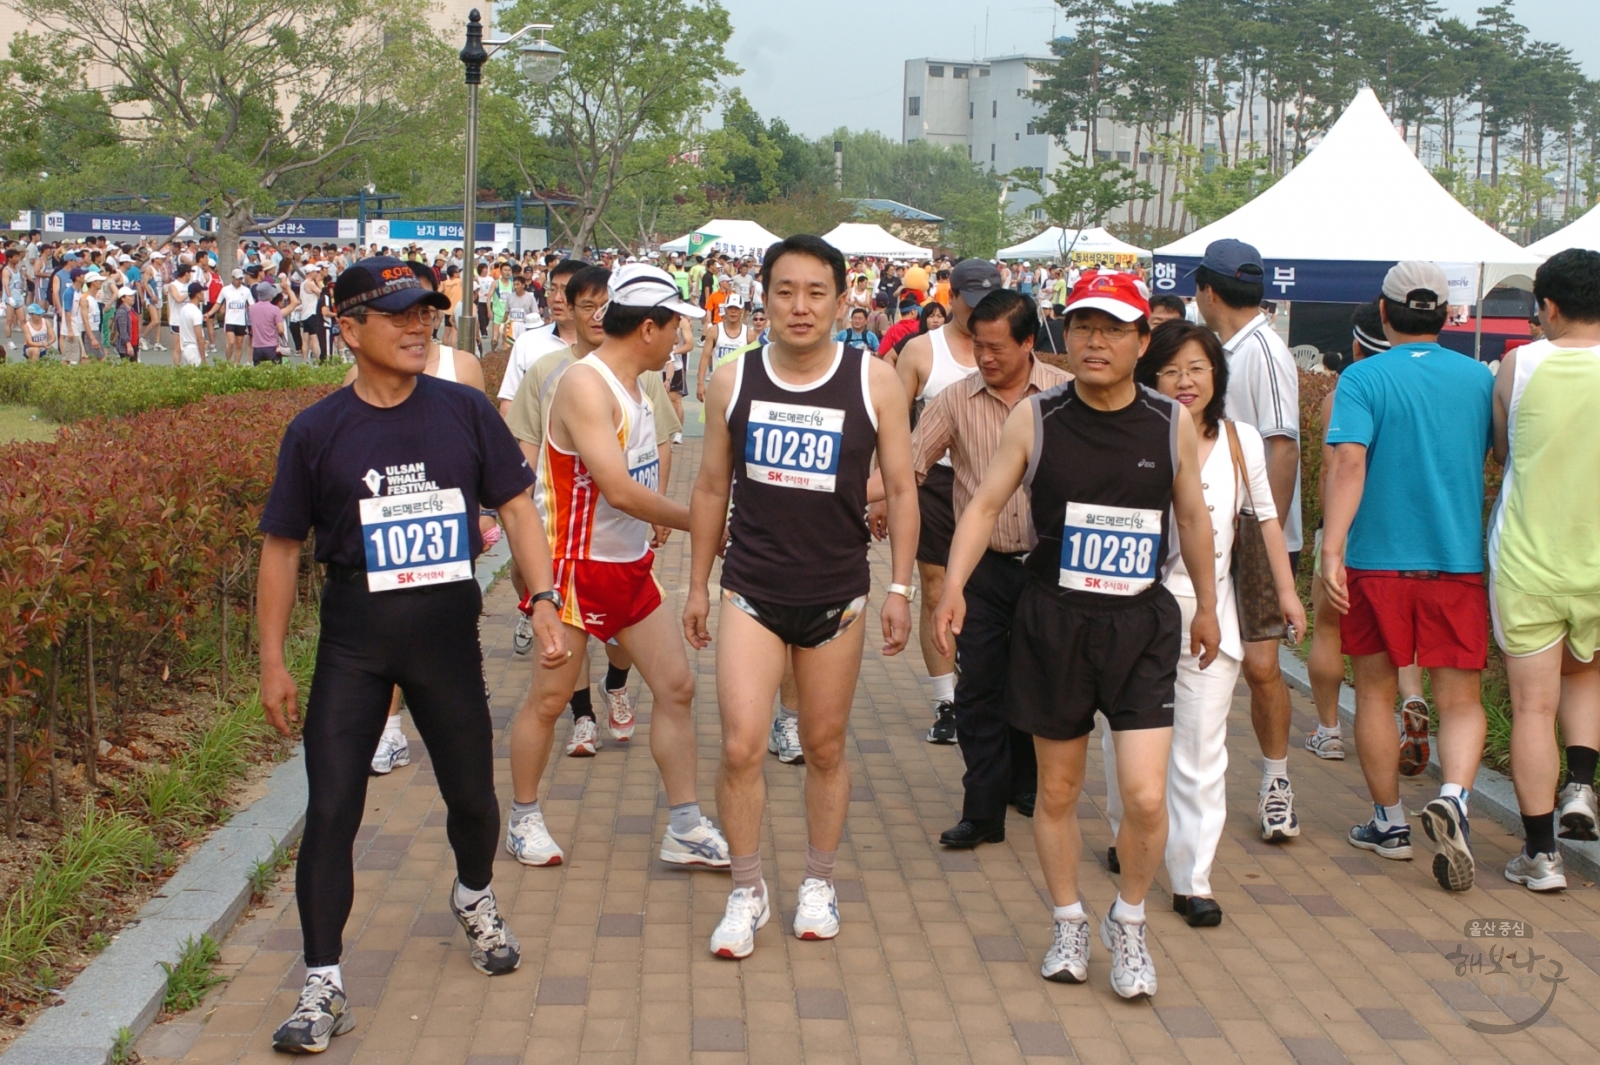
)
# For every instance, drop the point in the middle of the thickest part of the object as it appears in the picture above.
(1361, 196)
(734, 236)
(1054, 242)
(1584, 233)
(863, 238)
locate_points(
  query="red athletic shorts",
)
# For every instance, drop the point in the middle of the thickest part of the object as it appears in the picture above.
(603, 598)
(1434, 620)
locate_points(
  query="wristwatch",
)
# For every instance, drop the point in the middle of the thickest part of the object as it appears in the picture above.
(907, 590)
(550, 596)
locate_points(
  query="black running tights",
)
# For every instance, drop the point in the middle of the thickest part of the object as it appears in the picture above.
(426, 641)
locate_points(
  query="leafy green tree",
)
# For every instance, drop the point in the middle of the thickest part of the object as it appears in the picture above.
(635, 70)
(1080, 194)
(231, 106)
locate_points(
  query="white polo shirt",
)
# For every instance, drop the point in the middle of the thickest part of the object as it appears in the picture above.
(531, 346)
(1264, 391)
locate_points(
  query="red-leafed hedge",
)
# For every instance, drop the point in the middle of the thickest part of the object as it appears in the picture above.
(112, 540)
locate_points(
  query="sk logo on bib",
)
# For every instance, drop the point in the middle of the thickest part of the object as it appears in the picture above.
(793, 446)
(1109, 550)
(416, 539)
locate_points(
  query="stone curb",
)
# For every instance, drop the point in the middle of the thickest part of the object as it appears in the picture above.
(1492, 793)
(124, 985)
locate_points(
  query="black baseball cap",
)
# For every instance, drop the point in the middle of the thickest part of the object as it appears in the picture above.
(1235, 259)
(973, 279)
(385, 284)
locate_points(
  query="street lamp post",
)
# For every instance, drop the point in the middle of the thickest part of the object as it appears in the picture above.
(540, 63)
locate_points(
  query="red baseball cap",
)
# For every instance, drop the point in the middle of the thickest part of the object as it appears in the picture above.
(1119, 295)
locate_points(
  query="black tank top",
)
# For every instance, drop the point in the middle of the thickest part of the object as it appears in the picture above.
(1100, 487)
(797, 535)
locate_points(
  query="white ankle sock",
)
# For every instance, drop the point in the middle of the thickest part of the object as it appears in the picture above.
(1273, 769)
(466, 898)
(1329, 730)
(1070, 913)
(1456, 792)
(391, 727)
(1127, 912)
(944, 688)
(329, 973)
(1390, 815)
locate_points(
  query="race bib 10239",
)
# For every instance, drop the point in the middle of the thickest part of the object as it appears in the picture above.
(792, 445)
(1110, 550)
(416, 539)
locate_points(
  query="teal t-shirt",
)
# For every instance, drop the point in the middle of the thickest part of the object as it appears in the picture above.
(1423, 413)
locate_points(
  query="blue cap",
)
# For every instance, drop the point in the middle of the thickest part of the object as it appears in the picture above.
(1235, 259)
(36, 310)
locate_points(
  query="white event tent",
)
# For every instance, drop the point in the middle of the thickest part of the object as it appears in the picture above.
(864, 238)
(1584, 233)
(1356, 205)
(1054, 242)
(733, 236)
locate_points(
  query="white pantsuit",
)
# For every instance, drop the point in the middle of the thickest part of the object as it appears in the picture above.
(1196, 774)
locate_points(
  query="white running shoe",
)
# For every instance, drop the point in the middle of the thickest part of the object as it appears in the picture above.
(817, 915)
(621, 713)
(1067, 961)
(1275, 807)
(585, 738)
(784, 739)
(522, 638)
(529, 841)
(1133, 973)
(701, 845)
(747, 913)
(1577, 814)
(1323, 745)
(392, 753)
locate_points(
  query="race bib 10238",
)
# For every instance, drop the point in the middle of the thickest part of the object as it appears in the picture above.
(416, 539)
(792, 445)
(1110, 550)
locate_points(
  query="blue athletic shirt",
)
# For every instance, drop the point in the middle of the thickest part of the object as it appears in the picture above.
(1423, 413)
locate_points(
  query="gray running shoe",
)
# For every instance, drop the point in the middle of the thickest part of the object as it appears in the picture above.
(784, 740)
(495, 950)
(1133, 973)
(1067, 961)
(322, 1013)
(1325, 746)
(1275, 807)
(522, 638)
(1576, 813)
(1542, 872)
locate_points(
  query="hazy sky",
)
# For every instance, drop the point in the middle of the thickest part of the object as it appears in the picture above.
(820, 64)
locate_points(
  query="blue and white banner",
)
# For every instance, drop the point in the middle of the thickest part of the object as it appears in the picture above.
(313, 229)
(1318, 280)
(396, 231)
(133, 225)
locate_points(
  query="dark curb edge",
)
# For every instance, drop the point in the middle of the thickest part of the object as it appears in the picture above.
(124, 985)
(1492, 794)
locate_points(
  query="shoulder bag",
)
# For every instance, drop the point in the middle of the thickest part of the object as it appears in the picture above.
(1260, 616)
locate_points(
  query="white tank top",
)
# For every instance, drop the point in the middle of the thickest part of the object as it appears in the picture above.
(727, 345)
(945, 372)
(446, 370)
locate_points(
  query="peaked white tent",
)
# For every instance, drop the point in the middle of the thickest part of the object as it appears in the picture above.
(1054, 242)
(1584, 233)
(734, 236)
(864, 238)
(1357, 204)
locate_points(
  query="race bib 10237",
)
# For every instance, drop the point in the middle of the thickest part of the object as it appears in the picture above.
(792, 445)
(416, 539)
(1110, 550)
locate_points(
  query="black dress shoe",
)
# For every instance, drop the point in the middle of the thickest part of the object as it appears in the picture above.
(1112, 865)
(1198, 910)
(1024, 803)
(969, 834)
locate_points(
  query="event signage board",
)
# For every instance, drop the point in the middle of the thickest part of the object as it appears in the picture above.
(313, 229)
(136, 225)
(396, 230)
(1314, 280)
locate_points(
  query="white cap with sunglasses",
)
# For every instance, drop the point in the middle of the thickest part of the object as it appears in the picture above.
(643, 285)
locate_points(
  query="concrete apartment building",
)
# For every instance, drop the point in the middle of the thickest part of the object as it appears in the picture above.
(983, 104)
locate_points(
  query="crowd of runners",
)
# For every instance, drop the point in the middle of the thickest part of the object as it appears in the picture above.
(1111, 533)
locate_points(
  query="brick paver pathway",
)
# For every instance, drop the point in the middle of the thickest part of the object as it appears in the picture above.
(1325, 955)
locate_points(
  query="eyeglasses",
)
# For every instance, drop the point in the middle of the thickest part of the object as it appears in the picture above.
(1108, 332)
(418, 314)
(588, 308)
(1195, 372)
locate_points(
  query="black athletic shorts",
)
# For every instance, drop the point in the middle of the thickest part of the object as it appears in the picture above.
(800, 626)
(237, 330)
(936, 501)
(679, 382)
(1070, 658)
(261, 355)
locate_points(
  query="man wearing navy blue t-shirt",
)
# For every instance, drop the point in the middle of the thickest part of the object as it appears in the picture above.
(391, 472)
